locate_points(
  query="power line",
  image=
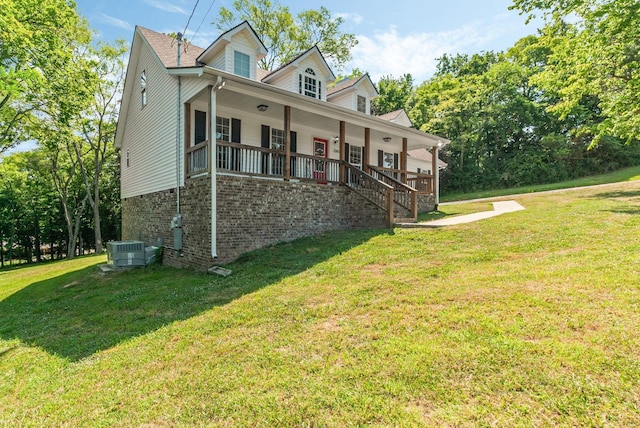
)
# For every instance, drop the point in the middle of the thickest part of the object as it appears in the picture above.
(192, 12)
(203, 18)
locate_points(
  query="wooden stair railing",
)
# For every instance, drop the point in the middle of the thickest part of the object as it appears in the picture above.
(379, 193)
(404, 196)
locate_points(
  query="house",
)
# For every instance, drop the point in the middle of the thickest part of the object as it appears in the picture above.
(399, 116)
(219, 157)
(418, 160)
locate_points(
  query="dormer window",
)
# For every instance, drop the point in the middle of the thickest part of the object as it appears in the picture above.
(362, 104)
(309, 85)
(241, 64)
(143, 88)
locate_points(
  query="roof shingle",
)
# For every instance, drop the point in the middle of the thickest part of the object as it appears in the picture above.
(165, 47)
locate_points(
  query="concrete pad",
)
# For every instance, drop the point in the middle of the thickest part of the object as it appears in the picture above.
(507, 206)
(499, 208)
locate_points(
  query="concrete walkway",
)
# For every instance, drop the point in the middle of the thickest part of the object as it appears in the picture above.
(500, 207)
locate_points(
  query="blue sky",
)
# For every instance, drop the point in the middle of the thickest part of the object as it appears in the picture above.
(405, 36)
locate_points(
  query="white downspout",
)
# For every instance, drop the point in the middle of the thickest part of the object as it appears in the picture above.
(212, 161)
(437, 173)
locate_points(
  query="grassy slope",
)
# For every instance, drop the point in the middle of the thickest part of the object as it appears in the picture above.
(527, 319)
(627, 174)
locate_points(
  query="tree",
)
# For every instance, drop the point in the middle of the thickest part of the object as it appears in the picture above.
(36, 41)
(285, 36)
(596, 56)
(98, 126)
(393, 94)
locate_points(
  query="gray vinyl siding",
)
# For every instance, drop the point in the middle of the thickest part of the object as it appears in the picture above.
(220, 61)
(150, 132)
(346, 100)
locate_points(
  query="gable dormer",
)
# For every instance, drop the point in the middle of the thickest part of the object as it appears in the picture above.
(355, 94)
(307, 74)
(236, 51)
(399, 116)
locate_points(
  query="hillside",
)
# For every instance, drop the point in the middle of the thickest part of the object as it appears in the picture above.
(529, 319)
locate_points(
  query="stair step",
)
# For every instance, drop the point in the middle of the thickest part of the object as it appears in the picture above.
(405, 220)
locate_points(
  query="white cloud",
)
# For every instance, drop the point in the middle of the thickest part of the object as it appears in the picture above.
(390, 53)
(203, 39)
(166, 6)
(116, 22)
(351, 17)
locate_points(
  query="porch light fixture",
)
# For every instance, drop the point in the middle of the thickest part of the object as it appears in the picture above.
(386, 139)
(336, 139)
(262, 108)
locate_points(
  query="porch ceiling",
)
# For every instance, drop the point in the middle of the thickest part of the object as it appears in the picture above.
(321, 115)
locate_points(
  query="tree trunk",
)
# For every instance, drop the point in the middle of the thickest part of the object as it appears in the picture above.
(37, 241)
(73, 225)
(97, 229)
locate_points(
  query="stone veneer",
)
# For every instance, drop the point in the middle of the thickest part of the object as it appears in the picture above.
(426, 203)
(252, 213)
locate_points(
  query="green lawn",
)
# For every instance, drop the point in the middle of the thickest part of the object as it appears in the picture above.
(526, 319)
(626, 174)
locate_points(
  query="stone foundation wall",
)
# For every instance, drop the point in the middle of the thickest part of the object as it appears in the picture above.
(251, 213)
(426, 203)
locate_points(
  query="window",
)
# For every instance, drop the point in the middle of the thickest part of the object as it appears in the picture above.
(309, 85)
(241, 64)
(362, 104)
(355, 156)
(143, 88)
(277, 139)
(388, 160)
(277, 159)
(222, 129)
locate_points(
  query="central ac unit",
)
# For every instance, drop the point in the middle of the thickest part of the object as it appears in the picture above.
(126, 254)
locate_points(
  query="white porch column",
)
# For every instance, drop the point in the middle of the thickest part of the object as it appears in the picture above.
(213, 166)
(435, 173)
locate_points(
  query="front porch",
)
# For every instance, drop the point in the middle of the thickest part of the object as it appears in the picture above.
(396, 191)
(242, 128)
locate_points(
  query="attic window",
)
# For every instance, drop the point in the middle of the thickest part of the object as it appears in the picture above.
(143, 88)
(362, 104)
(309, 85)
(241, 64)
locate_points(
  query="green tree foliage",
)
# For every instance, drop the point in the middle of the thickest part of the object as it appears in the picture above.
(285, 36)
(503, 133)
(394, 94)
(37, 40)
(30, 217)
(62, 93)
(97, 125)
(598, 55)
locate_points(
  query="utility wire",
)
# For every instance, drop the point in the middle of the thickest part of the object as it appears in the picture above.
(192, 12)
(203, 18)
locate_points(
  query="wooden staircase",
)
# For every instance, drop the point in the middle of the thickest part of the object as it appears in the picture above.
(398, 200)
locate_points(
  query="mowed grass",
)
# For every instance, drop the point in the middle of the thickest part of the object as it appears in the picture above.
(625, 174)
(526, 319)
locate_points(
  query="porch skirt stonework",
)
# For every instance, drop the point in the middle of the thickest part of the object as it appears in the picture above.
(251, 213)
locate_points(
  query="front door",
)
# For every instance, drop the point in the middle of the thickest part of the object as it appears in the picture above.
(320, 165)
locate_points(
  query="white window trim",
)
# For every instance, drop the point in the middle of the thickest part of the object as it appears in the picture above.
(235, 65)
(357, 154)
(143, 88)
(223, 123)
